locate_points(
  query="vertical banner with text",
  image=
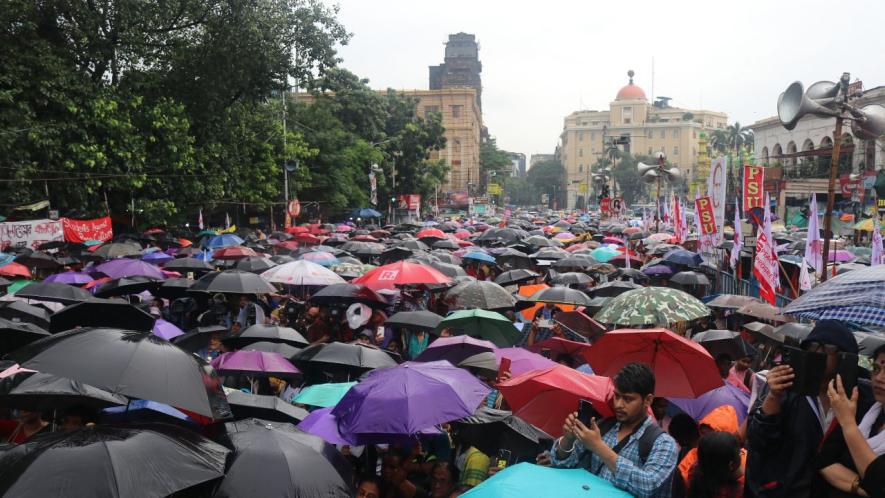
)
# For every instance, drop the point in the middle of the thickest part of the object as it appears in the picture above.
(716, 190)
(705, 211)
(754, 177)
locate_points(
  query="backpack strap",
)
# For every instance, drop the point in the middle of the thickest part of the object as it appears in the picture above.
(647, 440)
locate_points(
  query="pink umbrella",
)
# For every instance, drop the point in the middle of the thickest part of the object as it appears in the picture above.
(613, 240)
(343, 228)
(841, 255)
(564, 236)
(462, 234)
(254, 363)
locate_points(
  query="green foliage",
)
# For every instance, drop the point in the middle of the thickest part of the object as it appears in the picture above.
(547, 177)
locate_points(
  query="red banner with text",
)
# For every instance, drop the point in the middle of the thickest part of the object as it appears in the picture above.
(707, 221)
(753, 187)
(79, 231)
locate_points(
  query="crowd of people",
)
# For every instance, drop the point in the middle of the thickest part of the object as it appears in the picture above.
(779, 441)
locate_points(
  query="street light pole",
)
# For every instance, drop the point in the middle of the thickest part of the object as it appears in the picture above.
(831, 191)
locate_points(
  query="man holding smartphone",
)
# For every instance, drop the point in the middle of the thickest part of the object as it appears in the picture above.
(785, 428)
(631, 451)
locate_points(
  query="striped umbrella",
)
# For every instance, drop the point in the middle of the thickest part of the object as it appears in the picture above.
(856, 296)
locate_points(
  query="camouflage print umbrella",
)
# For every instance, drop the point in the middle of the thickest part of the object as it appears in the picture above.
(659, 306)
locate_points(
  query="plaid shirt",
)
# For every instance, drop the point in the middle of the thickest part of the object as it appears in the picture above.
(651, 480)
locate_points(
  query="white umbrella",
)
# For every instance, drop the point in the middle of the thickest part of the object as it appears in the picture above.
(302, 272)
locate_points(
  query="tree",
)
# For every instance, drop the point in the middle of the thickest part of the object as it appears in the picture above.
(493, 162)
(548, 177)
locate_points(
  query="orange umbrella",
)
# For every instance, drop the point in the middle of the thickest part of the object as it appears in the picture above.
(15, 270)
(528, 290)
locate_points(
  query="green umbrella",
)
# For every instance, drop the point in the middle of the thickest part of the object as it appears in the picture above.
(323, 395)
(488, 325)
(16, 285)
(659, 306)
(526, 479)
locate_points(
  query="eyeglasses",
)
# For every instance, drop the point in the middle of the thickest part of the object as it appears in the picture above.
(819, 347)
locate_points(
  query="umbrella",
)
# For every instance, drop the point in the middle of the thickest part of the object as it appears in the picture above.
(796, 331)
(731, 301)
(173, 288)
(166, 330)
(223, 240)
(682, 368)
(449, 270)
(431, 233)
(37, 259)
(285, 350)
(125, 286)
(657, 270)
(125, 267)
(518, 276)
(20, 311)
(420, 320)
(604, 254)
(690, 278)
(855, 296)
(868, 343)
(455, 349)
(347, 294)
(526, 479)
(101, 313)
(365, 213)
(615, 288)
(559, 345)
(234, 253)
(522, 360)
(323, 395)
(233, 282)
(323, 424)
(483, 361)
(277, 459)
(632, 274)
(446, 244)
(763, 331)
(762, 311)
(682, 257)
(651, 306)
(561, 295)
(724, 342)
(69, 277)
(488, 325)
(184, 265)
(302, 272)
(479, 256)
(15, 334)
(113, 250)
(273, 408)
(198, 338)
(255, 264)
(44, 392)
(570, 278)
(580, 323)
(103, 461)
(254, 363)
(546, 397)
(401, 273)
(726, 394)
(135, 364)
(407, 398)
(355, 358)
(157, 257)
(54, 292)
(321, 258)
(480, 294)
(265, 332)
(489, 430)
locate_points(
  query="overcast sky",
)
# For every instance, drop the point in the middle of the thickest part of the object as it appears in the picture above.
(545, 59)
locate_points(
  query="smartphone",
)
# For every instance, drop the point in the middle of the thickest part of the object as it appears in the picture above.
(808, 367)
(545, 352)
(545, 324)
(503, 367)
(586, 412)
(847, 369)
(503, 458)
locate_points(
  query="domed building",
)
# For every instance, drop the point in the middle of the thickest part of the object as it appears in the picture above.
(641, 127)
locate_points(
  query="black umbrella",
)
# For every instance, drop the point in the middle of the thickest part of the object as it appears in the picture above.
(552, 254)
(55, 292)
(513, 277)
(446, 244)
(633, 274)
(233, 282)
(101, 313)
(574, 263)
(347, 294)
(480, 294)
(262, 332)
(282, 259)
(449, 270)
(135, 364)
(14, 335)
(614, 288)
(425, 320)
(489, 430)
(690, 278)
(724, 342)
(255, 264)
(274, 459)
(4, 282)
(125, 286)
(20, 311)
(274, 408)
(173, 288)
(37, 259)
(512, 259)
(340, 356)
(45, 392)
(445, 257)
(198, 338)
(561, 295)
(413, 244)
(538, 242)
(103, 461)
(117, 250)
(184, 265)
(286, 350)
(796, 332)
(362, 248)
(570, 278)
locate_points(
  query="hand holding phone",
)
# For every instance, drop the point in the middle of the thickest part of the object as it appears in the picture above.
(503, 458)
(586, 412)
(502, 368)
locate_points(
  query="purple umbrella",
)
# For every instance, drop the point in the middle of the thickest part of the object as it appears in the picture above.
(841, 255)
(523, 360)
(403, 400)
(70, 277)
(658, 270)
(454, 349)
(125, 267)
(157, 257)
(728, 394)
(166, 330)
(254, 363)
(323, 424)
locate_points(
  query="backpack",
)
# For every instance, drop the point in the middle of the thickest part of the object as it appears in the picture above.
(646, 441)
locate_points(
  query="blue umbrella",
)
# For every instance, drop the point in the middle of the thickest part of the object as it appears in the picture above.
(855, 296)
(365, 213)
(323, 395)
(144, 410)
(479, 256)
(157, 257)
(223, 240)
(684, 258)
(526, 479)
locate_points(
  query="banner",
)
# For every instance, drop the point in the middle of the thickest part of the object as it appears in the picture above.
(765, 264)
(753, 187)
(814, 245)
(411, 202)
(79, 231)
(716, 190)
(705, 211)
(373, 187)
(30, 233)
(735, 255)
(678, 228)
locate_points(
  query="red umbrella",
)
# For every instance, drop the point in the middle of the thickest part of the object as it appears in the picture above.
(462, 234)
(154, 231)
(559, 345)
(401, 273)
(290, 245)
(465, 243)
(235, 252)
(185, 242)
(683, 369)
(620, 261)
(15, 270)
(546, 397)
(297, 230)
(431, 232)
(364, 238)
(613, 240)
(306, 238)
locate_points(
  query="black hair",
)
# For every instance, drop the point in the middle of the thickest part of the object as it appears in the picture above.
(453, 471)
(877, 352)
(718, 455)
(635, 378)
(372, 478)
(723, 357)
(684, 429)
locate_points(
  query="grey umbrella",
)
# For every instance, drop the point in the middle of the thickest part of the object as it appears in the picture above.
(480, 294)
(690, 278)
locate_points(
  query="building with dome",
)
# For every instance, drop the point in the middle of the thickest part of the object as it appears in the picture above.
(650, 126)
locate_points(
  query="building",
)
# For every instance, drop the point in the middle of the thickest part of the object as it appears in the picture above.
(802, 157)
(539, 158)
(461, 66)
(517, 159)
(647, 128)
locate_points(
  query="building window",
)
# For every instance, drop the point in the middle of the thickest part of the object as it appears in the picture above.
(694, 134)
(676, 133)
(580, 152)
(649, 151)
(580, 136)
(456, 147)
(583, 123)
(650, 133)
(627, 114)
(675, 150)
(580, 168)
(431, 109)
(456, 111)
(663, 133)
(592, 135)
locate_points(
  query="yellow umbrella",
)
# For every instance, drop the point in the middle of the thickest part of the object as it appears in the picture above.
(867, 225)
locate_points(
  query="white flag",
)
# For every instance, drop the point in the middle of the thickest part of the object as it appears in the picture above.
(716, 183)
(738, 237)
(200, 219)
(804, 277)
(813, 244)
(876, 255)
(226, 220)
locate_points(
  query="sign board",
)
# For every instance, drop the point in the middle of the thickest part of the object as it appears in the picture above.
(618, 205)
(411, 202)
(754, 177)
(294, 208)
(582, 187)
(545, 198)
(253, 220)
(705, 209)
(605, 204)
(53, 214)
(855, 88)
(494, 189)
